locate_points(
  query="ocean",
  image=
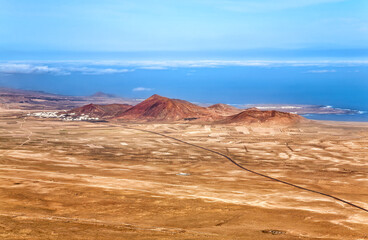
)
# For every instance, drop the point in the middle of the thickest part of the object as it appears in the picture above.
(341, 85)
(360, 117)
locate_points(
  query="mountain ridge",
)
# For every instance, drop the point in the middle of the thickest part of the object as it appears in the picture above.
(254, 116)
(105, 111)
(158, 108)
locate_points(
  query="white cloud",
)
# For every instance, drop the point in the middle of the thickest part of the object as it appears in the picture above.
(153, 68)
(98, 71)
(15, 68)
(322, 71)
(62, 69)
(141, 89)
(153, 65)
(121, 67)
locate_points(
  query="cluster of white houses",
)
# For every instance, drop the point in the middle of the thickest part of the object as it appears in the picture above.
(64, 116)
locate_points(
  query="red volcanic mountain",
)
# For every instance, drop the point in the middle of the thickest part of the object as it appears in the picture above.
(101, 111)
(157, 108)
(162, 109)
(264, 118)
(224, 109)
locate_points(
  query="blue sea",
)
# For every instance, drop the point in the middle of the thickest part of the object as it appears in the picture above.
(337, 84)
(362, 117)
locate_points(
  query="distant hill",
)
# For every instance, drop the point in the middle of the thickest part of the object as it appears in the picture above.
(101, 111)
(154, 109)
(254, 116)
(157, 108)
(37, 100)
(161, 109)
(103, 95)
(224, 109)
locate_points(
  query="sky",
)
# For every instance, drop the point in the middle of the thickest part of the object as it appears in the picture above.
(230, 51)
(190, 25)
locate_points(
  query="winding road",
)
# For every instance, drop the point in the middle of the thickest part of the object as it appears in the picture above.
(251, 171)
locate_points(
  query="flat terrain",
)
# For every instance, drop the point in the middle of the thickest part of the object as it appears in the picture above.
(83, 180)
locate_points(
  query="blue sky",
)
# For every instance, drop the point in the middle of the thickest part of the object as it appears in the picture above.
(230, 51)
(190, 25)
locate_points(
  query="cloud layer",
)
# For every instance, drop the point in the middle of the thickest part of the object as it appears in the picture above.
(322, 71)
(159, 65)
(141, 89)
(13, 68)
(61, 69)
(123, 67)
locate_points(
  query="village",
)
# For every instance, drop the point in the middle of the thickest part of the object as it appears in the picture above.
(64, 116)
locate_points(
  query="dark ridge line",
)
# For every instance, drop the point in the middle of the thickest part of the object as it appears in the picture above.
(287, 145)
(254, 172)
(246, 149)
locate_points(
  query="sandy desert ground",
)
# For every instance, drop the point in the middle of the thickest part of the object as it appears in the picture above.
(83, 180)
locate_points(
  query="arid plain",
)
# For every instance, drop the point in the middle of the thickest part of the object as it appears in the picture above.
(111, 180)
